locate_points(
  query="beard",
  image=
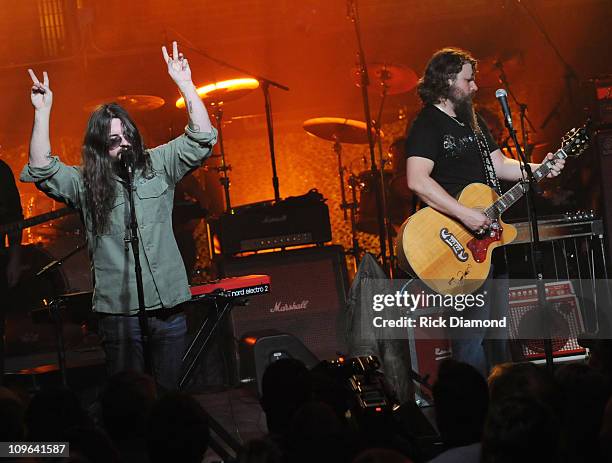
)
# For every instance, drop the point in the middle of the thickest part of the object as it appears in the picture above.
(464, 106)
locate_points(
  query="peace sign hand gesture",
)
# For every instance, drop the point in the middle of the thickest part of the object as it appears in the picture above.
(41, 94)
(178, 66)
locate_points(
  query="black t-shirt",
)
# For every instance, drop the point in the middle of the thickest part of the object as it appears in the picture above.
(451, 145)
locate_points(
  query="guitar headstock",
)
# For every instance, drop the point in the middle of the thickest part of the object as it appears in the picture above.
(575, 141)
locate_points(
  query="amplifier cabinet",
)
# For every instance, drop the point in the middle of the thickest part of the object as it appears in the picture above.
(307, 297)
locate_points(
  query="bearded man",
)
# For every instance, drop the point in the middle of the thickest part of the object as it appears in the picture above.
(98, 189)
(448, 147)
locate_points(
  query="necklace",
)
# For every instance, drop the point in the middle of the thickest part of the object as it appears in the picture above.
(462, 124)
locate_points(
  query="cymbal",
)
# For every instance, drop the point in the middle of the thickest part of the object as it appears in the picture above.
(223, 91)
(339, 129)
(130, 103)
(397, 78)
(489, 69)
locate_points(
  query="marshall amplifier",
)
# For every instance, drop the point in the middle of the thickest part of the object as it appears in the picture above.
(307, 298)
(293, 221)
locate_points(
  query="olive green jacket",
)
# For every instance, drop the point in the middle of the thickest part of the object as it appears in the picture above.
(112, 260)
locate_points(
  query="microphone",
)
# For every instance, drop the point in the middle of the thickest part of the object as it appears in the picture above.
(502, 96)
(126, 156)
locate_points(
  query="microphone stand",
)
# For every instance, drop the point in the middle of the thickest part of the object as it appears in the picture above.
(522, 108)
(58, 262)
(568, 76)
(537, 255)
(54, 310)
(135, 244)
(381, 177)
(353, 15)
(265, 87)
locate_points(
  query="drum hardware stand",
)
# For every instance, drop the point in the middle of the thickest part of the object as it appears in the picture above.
(54, 311)
(224, 167)
(381, 173)
(353, 14)
(355, 250)
(341, 169)
(353, 182)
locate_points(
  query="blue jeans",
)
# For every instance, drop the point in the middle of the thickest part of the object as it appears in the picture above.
(122, 344)
(481, 347)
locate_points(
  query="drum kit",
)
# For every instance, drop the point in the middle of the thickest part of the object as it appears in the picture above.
(389, 180)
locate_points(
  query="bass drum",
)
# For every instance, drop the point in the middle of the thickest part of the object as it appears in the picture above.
(33, 292)
(397, 208)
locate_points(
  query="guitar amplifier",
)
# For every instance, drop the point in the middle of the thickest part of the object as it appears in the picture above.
(566, 321)
(603, 100)
(293, 221)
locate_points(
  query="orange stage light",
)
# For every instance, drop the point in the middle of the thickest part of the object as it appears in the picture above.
(223, 91)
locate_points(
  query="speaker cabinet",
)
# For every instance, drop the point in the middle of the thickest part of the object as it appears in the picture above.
(603, 145)
(525, 326)
(307, 297)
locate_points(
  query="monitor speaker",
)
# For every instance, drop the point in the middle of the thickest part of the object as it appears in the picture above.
(259, 349)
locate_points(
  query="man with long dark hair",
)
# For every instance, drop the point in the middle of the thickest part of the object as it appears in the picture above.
(448, 147)
(98, 189)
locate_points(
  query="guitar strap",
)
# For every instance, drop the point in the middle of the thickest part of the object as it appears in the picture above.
(493, 182)
(485, 154)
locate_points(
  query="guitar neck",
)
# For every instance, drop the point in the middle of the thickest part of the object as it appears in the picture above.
(518, 190)
(37, 220)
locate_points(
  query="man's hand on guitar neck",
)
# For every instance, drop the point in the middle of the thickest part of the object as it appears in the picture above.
(510, 169)
(556, 165)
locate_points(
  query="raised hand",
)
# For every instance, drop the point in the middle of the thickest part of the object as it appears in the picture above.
(178, 66)
(41, 94)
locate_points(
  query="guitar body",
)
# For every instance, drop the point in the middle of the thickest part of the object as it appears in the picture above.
(444, 254)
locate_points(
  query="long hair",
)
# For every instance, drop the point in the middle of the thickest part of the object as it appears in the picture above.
(445, 64)
(98, 167)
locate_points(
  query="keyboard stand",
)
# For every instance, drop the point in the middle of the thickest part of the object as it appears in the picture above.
(222, 306)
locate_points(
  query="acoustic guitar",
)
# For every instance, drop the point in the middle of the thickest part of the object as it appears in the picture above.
(451, 259)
